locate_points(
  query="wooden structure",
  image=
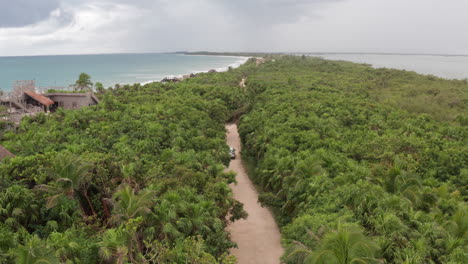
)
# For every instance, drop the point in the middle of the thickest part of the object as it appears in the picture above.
(19, 87)
(26, 100)
(17, 100)
(34, 99)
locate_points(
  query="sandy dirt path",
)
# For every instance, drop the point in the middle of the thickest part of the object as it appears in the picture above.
(258, 236)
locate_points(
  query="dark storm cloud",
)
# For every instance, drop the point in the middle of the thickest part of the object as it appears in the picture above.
(32, 27)
(18, 13)
(270, 12)
(258, 12)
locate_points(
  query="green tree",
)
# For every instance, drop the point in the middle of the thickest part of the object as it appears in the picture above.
(407, 185)
(113, 247)
(346, 245)
(83, 83)
(164, 218)
(70, 174)
(18, 207)
(129, 205)
(74, 246)
(197, 218)
(34, 251)
(457, 225)
(99, 87)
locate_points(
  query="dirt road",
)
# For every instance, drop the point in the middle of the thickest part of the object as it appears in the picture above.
(258, 236)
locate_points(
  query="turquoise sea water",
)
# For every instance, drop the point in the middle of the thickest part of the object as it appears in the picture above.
(445, 66)
(109, 69)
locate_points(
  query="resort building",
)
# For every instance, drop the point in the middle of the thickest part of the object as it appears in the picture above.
(33, 99)
(72, 100)
(25, 100)
(33, 102)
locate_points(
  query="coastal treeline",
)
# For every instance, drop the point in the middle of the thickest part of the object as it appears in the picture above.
(360, 165)
(138, 178)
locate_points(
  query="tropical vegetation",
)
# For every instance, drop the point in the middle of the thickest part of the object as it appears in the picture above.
(83, 83)
(358, 165)
(138, 178)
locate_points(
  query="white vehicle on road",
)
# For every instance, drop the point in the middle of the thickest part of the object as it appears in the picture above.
(232, 152)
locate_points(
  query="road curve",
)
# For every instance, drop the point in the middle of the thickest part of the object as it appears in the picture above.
(258, 236)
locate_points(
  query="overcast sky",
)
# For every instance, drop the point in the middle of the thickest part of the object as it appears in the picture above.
(36, 27)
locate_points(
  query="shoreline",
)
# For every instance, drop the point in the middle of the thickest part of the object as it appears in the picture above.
(237, 64)
(155, 76)
(418, 63)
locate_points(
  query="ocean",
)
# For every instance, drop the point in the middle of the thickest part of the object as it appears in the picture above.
(445, 66)
(109, 69)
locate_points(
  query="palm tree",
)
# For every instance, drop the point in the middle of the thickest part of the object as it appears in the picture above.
(129, 205)
(299, 252)
(195, 219)
(128, 171)
(165, 218)
(182, 213)
(297, 184)
(99, 87)
(70, 177)
(346, 245)
(113, 247)
(18, 206)
(34, 251)
(406, 184)
(457, 226)
(83, 83)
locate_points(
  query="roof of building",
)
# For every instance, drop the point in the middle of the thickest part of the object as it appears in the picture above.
(58, 96)
(94, 98)
(4, 153)
(40, 98)
(67, 94)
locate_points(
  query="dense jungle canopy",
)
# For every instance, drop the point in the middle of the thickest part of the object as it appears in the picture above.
(358, 165)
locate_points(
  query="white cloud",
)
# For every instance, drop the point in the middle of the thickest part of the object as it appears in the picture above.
(105, 26)
(89, 28)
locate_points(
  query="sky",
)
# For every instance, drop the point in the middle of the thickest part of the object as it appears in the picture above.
(49, 27)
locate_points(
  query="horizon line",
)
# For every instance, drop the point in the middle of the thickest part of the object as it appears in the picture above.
(245, 52)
